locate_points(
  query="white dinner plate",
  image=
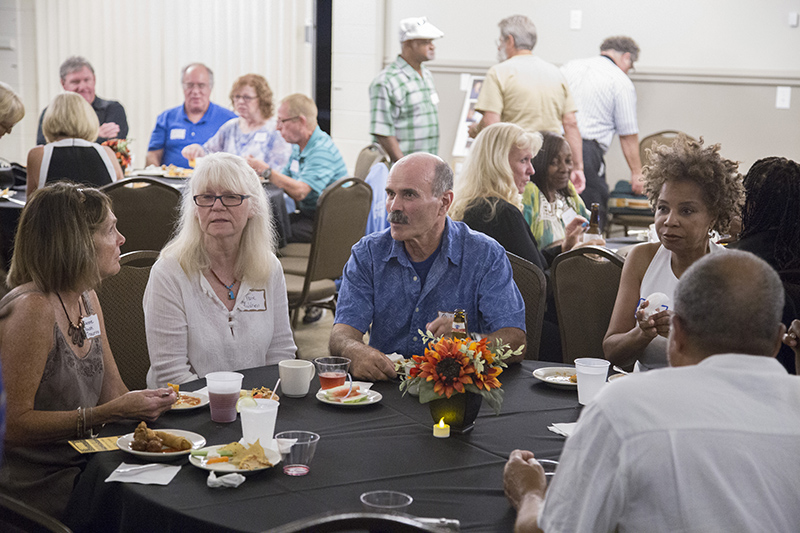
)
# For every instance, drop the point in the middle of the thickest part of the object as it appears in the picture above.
(226, 468)
(556, 376)
(372, 396)
(198, 441)
(612, 377)
(203, 402)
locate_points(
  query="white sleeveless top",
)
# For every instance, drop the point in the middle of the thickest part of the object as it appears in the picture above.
(659, 277)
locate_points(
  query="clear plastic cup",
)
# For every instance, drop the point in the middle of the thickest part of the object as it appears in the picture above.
(386, 501)
(223, 393)
(332, 371)
(592, 375)
(297, 457)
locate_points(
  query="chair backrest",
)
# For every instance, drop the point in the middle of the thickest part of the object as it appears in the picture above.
(121, 299)
(660, 137)
(341, 219)
(351, 522)
(377, 180)
(16, 515)
(146, 211)
(585, 285)
(367, 157)
(532, 285)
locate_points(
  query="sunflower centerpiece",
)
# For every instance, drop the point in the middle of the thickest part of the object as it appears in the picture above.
(464, 370)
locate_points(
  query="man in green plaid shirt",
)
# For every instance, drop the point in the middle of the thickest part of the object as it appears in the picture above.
(403, 102)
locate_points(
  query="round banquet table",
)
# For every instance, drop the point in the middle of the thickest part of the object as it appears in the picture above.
(387, 445)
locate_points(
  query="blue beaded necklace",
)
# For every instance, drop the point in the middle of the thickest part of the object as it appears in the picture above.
(231, 296)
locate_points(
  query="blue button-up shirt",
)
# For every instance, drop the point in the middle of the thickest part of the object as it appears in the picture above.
(380, 288)
(174, 131)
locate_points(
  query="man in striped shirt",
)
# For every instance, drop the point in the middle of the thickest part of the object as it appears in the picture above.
(404, 117)
(606, 101)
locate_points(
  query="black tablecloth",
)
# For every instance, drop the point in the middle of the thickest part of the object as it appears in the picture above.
(388, 445)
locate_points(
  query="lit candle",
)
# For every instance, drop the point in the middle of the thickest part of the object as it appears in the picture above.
(441, 430)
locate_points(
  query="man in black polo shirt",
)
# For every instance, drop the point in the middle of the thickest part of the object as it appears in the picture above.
(77, 75)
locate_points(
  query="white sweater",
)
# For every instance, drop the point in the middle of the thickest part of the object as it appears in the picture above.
(190, 332)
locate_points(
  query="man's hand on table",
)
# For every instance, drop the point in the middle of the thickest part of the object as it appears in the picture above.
(525, 485)
(371, 365)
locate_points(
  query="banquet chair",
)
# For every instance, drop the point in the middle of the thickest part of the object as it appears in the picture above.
(368, 157)
(121, 299)
(532, 285)
(146, 211)
(341, 218)
(585, 285)
(17, 516)
(372, 522)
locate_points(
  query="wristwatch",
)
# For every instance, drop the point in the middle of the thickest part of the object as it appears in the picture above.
(267, 173)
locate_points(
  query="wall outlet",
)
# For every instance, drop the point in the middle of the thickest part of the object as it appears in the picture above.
(575, 19)
(783, 98)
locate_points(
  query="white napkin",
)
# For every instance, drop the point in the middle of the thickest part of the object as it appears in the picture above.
(284, 445)
(394, 357)
(226, 481)
(150, 474)
(564, 429)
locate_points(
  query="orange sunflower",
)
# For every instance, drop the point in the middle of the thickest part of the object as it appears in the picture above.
(445, 365)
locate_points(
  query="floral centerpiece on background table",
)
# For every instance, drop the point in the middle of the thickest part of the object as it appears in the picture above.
(121, 150)
(452, 367)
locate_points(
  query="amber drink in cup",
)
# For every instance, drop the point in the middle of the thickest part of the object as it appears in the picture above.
(332, 371)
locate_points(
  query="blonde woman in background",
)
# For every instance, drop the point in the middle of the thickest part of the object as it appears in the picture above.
(11, 108)
(70, 125)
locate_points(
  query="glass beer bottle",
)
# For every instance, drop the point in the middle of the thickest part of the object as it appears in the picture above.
(593, 233)
(459, 327)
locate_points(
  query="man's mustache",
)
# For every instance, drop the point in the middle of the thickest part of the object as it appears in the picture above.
(397, 217)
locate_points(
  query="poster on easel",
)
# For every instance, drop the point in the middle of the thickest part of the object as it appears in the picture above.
(469, 116)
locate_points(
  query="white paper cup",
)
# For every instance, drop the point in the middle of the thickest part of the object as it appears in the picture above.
(591, 377)
(258, 422)
(296, 376)
(223, 393)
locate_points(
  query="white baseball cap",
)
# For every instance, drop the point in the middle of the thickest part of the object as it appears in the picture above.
(418, 28)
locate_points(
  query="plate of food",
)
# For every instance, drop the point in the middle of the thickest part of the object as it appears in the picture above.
(190, 400)
(343, 396)
(162, 445)
(235, 457)
(562, 377)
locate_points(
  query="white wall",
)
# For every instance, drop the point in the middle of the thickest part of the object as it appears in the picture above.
(709, 68)
(138, 47)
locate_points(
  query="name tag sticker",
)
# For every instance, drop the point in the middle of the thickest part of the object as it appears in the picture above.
(435, 98)
(255, 300)
(295, 166)
(261, 137)
(568, 216)
(177, 133)
(92, 326)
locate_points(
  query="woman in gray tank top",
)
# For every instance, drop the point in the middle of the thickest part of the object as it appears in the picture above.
(60, 376)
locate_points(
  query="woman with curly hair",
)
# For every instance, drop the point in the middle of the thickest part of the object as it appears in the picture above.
(693, 191)
(252, 135)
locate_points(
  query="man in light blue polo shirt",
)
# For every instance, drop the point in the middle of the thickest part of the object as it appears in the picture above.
(315, 162)
(195, 121)
(397, 280)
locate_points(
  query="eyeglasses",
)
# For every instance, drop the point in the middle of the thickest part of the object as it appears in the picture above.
(192, 86)
(228, 200)
(246, 99)
(282, 120)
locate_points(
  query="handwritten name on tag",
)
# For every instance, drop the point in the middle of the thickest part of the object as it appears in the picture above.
(295, 166)
(261, 137)
(435, 98)
(255, 300)
(91, 326)
(177, 133)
